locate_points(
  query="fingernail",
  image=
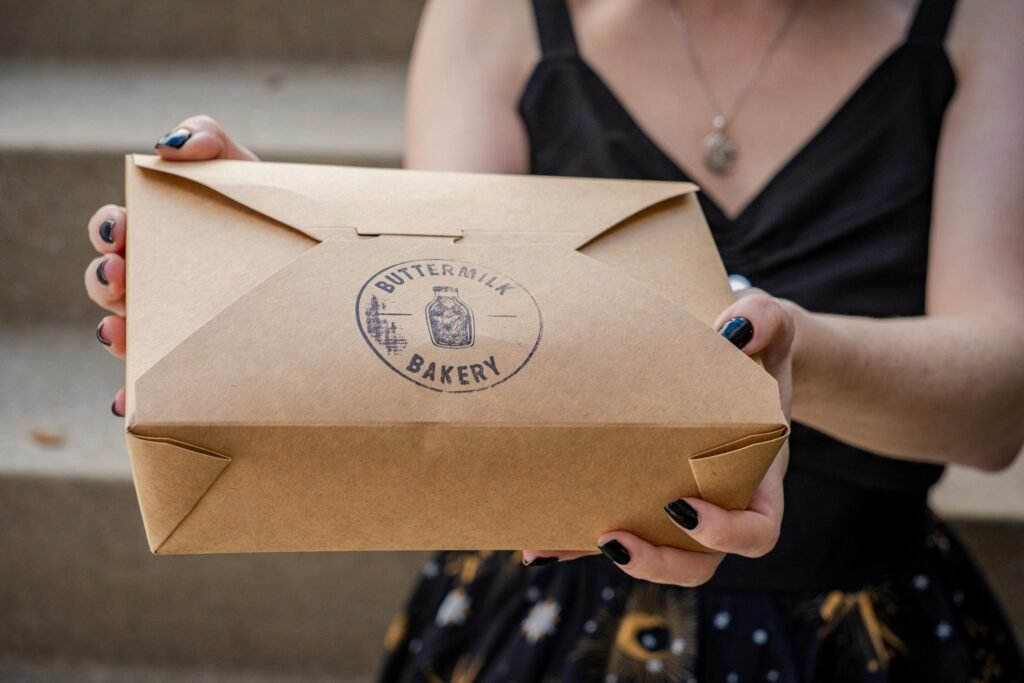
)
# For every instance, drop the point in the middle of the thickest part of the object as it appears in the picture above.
(175, 139)
(739, 331)
(107, 231)
(100, 275)
(540, 561)
(615, 551)
(683, 514)
(99, 335)
(113, 409)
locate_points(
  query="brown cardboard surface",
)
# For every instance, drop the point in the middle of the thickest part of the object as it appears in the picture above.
(316, 351)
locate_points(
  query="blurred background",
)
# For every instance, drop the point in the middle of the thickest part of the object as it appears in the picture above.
(81, 598)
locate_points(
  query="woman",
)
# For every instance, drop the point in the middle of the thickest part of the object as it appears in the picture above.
(860, 165)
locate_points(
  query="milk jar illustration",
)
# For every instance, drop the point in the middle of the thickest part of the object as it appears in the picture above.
(449, 319)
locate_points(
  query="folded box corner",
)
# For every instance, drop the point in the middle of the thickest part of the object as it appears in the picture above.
(728, 475)
(171, 478)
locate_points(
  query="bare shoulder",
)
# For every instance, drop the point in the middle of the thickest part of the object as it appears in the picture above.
(975, 248)
(470, 61)
(495, 33)
(985, 35)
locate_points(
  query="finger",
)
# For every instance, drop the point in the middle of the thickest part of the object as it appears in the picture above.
(199, 138)
(539, 558)
(660, 564)
(107, 229)
(111, 333)
(739, 532)
(752, 532)
(756, 322)
(117, 407)
(104, 281)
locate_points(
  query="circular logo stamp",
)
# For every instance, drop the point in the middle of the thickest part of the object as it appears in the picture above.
(449, 325)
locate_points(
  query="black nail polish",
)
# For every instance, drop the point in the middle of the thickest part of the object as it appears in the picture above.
(615, 551)
(107, 231)
(739, 331)
(99, 329)
(175, 139)
(683, 514)
(542, 561)
(113, 409)
(100, 275)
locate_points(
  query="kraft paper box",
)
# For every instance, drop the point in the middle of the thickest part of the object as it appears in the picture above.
(330, 358)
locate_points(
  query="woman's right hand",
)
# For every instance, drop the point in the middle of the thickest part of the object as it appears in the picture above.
(195, 139)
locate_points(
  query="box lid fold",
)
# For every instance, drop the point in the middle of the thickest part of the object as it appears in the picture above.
(649, 362)
(318, 200)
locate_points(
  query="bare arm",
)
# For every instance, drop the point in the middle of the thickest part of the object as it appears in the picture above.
(949, 386)
(469, 63)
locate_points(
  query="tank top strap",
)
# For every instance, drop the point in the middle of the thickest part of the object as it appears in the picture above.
(931, 21)
(554, 28)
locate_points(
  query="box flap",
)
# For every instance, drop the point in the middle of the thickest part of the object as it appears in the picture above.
(326, 202)
(295, 488)
(303, 345)
(170, 479)
(728, 474)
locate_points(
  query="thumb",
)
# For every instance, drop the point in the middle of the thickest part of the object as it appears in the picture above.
(763, 325)
(200, 138)
(759, 323)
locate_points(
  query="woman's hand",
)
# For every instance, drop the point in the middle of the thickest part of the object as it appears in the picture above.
(194, 139)
(758, 324)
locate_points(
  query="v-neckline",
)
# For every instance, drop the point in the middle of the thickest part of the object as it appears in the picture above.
(781, 170)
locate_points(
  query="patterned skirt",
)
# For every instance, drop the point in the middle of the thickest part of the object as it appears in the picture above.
(482, 617)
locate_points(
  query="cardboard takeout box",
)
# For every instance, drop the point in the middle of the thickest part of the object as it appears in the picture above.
(331, 358)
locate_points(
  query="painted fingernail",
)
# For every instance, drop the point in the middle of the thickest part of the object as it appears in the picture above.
(683, 514)
(100, 275)
(739, 331)
(99, 335)
(113, 409)
(175, 139)
(615, 551)
(107, 231)
(540, 561)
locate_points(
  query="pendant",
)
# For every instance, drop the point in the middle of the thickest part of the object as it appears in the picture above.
(719, 149)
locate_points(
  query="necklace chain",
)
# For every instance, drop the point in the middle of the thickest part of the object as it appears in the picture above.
(719, 149)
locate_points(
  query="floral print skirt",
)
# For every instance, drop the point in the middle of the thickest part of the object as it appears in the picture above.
(482, 617)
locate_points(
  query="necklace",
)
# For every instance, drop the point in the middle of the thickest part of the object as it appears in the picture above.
(720, 150)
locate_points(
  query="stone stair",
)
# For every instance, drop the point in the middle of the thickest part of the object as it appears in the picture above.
(64, 131)
(81, 598)
(300, 31)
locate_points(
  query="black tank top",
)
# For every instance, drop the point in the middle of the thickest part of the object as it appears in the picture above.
(841, 228)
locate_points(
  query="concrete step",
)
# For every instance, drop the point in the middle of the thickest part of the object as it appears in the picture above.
(998, 549)
(81, 588)
(299, 30)
(80, 584)
(65, 130)
(90, 672)
(281, 110)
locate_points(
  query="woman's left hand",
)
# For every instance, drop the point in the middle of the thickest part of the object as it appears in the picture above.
(758, 324)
